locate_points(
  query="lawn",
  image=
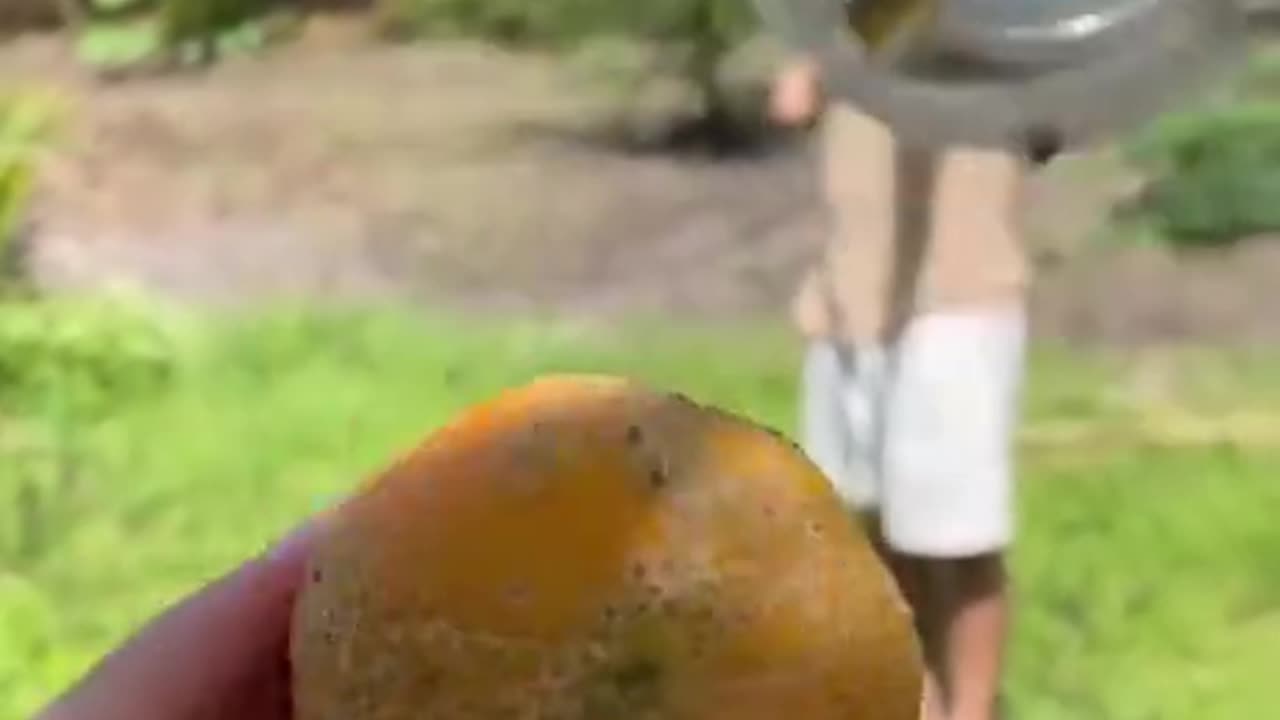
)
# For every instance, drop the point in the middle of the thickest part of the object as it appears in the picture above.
(1148, 568)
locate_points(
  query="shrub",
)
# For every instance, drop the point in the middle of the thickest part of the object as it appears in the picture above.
(73, 353)
(702, 35)
(695, 38)
(25, 126)
(201, 30)
(1215, 175)
(172, 34)
(508, 21)
(82, 356)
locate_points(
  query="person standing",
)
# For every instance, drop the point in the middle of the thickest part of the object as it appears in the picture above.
(915, 326)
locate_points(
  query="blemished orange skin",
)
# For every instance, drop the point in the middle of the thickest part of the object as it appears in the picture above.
(586, 548)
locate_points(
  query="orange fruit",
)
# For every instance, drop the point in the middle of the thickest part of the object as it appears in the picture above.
(588, 547)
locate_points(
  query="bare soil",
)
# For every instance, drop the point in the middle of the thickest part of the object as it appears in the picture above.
(339, 168)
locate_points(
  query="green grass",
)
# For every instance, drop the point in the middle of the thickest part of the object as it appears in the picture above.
(1149, 579)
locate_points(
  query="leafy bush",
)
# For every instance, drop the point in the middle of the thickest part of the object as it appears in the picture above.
(171, 34)
(201, 30)
(1215, 174)
(29, 663)
(512, 21)
(25, 124)
(72, 356)
(694, 39)
(66, 366)
(715, 23)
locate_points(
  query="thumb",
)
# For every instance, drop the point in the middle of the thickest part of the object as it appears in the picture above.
(201, 648)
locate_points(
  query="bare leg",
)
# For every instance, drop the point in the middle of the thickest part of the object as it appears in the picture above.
(965, 610)
(973, 622)
(961, 610)
(913, 580)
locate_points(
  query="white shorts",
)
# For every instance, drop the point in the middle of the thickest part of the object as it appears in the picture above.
(923, 432)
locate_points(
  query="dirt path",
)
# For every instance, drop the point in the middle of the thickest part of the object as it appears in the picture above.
(341, 169)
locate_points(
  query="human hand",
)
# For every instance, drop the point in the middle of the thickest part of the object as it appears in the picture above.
(222, 652)
(796, 99)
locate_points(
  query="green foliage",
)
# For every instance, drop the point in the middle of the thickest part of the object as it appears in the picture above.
(116, 7)
(1141, 567)
(26, 123)
(179, 33)
(560, 22)
(1133, 567)
(199, 30)
(66, 365)
(1215, 175)
(703, 26)
(108, 46)
(510, 21)
(30, 661)
(680, 89)
(1259, 79)
(82, 356)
